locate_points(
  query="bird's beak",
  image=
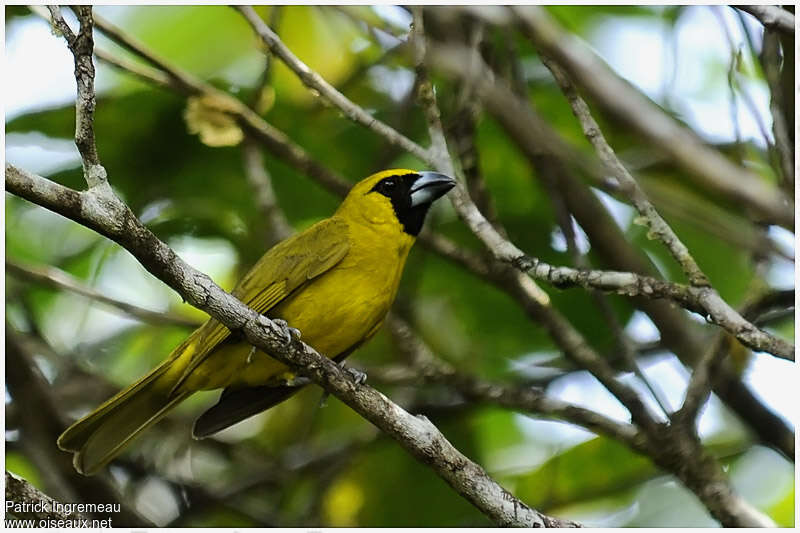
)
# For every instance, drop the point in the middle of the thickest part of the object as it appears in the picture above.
(430, 186)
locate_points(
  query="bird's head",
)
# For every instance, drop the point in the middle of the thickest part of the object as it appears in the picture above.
(397, 196)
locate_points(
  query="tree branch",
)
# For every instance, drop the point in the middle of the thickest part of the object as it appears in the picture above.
(54, 277)
(772, 17)
(627, 183)
(528, 400)
(715, 171)
(81, 46)
(315, 82)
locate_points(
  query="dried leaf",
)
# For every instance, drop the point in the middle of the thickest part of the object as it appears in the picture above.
(209, 117)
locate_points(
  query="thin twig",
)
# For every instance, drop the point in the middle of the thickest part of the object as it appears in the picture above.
(81, 45)
(735, 84)
(315, 82)
(54, 277)
(628, 184)
(265, 79)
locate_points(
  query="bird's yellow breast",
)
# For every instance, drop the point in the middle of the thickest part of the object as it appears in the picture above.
(334, 312)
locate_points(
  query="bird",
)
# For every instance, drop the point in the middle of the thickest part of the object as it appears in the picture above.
(332, 283)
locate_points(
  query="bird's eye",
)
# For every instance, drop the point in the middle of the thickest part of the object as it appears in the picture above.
(389, 184)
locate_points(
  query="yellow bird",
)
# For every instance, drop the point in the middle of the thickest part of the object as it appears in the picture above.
(334, 282)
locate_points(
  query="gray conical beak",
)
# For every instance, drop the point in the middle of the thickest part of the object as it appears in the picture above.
(430, 186)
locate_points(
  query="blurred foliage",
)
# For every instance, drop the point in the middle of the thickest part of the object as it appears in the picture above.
(196, 196)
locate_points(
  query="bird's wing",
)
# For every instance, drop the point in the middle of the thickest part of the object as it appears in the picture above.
(285, 268)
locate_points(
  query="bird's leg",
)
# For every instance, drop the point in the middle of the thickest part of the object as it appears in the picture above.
(289, 332)
(250, 355)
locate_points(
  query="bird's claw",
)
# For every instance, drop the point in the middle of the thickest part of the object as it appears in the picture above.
(289, 333)
(358, 376)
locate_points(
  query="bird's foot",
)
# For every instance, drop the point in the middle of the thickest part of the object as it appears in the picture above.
(358, 376)
(289, 333)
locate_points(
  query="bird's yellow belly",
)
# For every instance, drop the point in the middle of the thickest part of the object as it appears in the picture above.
(334, 313)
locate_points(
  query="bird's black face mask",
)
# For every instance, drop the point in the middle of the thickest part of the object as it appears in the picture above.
(412, 195)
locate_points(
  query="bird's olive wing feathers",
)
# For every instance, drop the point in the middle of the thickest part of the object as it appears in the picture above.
(285, 268)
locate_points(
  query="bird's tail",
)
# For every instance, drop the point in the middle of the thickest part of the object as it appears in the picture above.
(102, 434)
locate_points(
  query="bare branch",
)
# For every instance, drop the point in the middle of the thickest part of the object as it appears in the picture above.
(772, 17)
(678, 333)
(81, 45)
(54, 277)
(706, 371)
(315, 82)
(113, 219)
(715, 171)
(627, 183)
(529, 400)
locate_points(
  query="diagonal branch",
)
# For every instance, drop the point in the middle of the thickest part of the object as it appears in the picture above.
(314, 81)
(628, 184)
(54, 277)
(528, 400)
